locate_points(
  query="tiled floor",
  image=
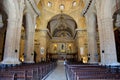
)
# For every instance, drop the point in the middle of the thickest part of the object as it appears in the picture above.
(58, 73)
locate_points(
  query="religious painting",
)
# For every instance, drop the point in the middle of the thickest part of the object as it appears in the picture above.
(82, 50)
(62, 47)
(42, 50)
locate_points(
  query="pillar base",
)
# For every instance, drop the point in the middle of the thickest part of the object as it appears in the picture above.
(10, 61)
(28, 62)
(93, 62)
(110, 64)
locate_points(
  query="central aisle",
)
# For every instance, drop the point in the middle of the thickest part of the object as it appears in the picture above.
(58, 73)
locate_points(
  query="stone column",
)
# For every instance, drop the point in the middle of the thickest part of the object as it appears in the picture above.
(106, 33)
(11, 55)
(43, 43)
(11, 50)
(92, 43)
(19, 23)
(31, 13)
(108, 49)
(29, 38)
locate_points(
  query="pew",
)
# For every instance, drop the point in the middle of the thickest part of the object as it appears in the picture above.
(88, 71)
(27, 71)
(6, 76)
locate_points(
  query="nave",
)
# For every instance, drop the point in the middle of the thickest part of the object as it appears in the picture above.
(34, 33)
(58, 73)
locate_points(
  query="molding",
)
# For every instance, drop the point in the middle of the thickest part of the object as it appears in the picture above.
(77, 31)
(46, 30)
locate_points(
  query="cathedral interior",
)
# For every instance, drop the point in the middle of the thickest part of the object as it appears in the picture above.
(84, 31)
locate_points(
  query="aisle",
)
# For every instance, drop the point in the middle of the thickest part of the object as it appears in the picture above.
(58, 73)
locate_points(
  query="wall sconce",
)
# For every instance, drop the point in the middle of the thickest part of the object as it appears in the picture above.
(22, 58)
(42, 50)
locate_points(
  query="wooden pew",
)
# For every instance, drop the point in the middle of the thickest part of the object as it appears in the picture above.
(29, 71)
(6, 76)
(81, 72)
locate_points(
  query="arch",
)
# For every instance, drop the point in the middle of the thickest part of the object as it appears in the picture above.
(62, 22)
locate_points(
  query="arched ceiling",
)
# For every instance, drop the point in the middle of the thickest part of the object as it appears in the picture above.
(50, 8)
(50, 17)
(62, 26)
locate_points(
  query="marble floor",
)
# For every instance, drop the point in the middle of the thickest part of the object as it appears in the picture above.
(58, 73)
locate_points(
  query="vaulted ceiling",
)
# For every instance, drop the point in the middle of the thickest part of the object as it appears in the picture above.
(62, 25)
(71, 18)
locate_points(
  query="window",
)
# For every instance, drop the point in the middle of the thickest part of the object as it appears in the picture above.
(49, 4)
(62, 7)
(74, 3)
